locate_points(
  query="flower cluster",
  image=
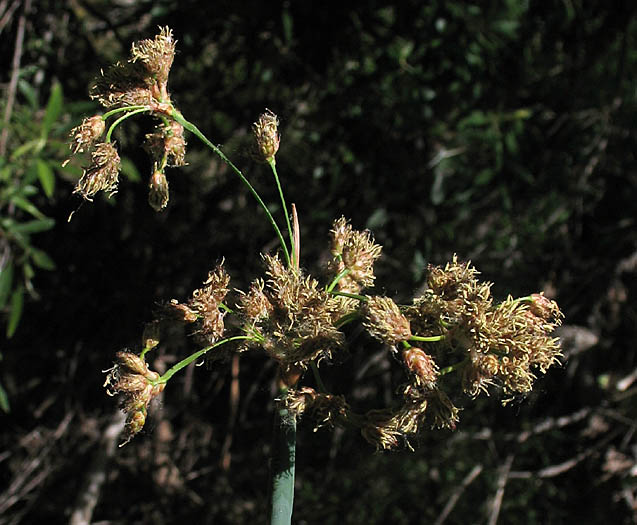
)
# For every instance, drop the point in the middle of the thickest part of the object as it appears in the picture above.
(505, 344)
(204, 307)
(354, 253)
(125, 89)
(137, 385)
(267, 137)
(290, 316)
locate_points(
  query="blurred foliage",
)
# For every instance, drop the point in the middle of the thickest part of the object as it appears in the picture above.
(502, 132)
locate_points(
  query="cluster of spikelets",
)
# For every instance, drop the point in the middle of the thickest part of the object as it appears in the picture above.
(455, 324)
(136, 385)
(139, 85)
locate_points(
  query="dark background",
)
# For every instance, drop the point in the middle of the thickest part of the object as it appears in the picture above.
(500, 131)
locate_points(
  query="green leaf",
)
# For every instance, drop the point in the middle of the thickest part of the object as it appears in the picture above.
(29, 93)
(42, 259)
(6, 280)
(53, 109)
(46, 176)
(4, 400)
(35, 226)
(27, 206)
(17, 301)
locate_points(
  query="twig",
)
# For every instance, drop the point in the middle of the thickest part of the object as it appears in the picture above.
(7, 12)
(451, 503)
(96, 474)
(496, 503)
(15, 72)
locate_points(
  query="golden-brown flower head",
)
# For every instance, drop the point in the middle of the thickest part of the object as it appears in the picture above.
(421, 366)
(266, 137)
(167, 145)
(137, 385)
(206, 302)
(291, 316)
(86, 134)
(384, 321)
(354, 253)
(102, 174)
(157, 54)
(158, 190)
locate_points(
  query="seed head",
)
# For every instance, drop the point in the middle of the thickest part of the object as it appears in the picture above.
(156, 54)
(266, 137)
(137, 385)
(122, 85)
(206, 302)
(384, 321)
(167, 145)
(356, 252)
(158, 190)
(292, 316)
(102, 174)
(421, 366)
(86, 134)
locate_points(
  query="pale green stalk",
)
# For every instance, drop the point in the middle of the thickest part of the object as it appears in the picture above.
(272, 163)
(283, 465)
(193, 129)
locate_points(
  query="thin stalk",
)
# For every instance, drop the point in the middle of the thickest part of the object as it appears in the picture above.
(336, 279)
(193, 357)
(272, 163)
(428, 339)
(124, 117)
(283, 465)
(121, 110)
(194, 130)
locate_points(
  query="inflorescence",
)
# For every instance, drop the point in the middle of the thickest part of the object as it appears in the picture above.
(454, 327)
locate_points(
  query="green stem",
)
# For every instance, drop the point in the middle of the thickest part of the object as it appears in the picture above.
(429, 339)
(140, 109)
(120, 110)
(193, 129)
(272, 163)
(283, 463)
(336, 279)
(185, 362)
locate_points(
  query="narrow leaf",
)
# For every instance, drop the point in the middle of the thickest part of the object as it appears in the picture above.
(27, 206)
(42, 259)
(4, 400)
(35, 226)
(53, 109)
(6, 280)
(17, 301)
(46, 176)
